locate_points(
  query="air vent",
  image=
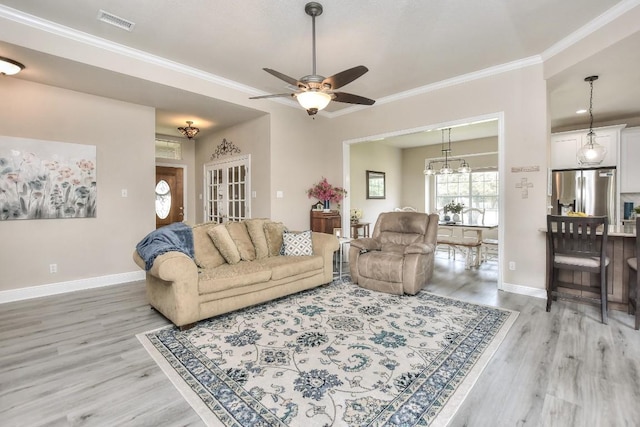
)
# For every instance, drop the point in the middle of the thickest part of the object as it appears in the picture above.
(114, 20)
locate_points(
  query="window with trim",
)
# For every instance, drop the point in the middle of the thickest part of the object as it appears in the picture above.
(478, 189)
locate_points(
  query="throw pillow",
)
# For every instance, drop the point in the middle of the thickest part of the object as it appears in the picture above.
(255, 227)
(206, 254)
(297, 244)
(240, 235)
(222, 239)
(273, 233)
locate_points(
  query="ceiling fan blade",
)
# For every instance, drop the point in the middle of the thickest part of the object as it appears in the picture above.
(350, 98)
(285, 78)
(275, 95)
(345, 77)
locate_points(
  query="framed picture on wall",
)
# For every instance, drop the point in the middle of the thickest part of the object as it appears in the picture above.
(375, 185)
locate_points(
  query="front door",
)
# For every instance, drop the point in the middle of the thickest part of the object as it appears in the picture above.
(169, 195)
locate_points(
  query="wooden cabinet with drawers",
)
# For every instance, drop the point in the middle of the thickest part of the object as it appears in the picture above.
(325, 222)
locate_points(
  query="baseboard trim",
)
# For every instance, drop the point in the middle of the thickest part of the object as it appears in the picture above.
(524, 290)
(69, 286)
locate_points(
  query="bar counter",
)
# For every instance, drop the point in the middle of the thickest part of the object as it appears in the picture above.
(621, 245)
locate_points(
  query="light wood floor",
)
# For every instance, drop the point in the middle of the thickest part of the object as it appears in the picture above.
(74, 360)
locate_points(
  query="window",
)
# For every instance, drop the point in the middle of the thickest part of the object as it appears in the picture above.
(166, 149)
(474, 190)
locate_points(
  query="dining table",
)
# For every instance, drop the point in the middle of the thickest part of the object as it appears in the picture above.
(465, 238)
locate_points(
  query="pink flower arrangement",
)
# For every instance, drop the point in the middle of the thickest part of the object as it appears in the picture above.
(324, 191)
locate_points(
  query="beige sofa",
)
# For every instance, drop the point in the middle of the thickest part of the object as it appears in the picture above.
(243, 267)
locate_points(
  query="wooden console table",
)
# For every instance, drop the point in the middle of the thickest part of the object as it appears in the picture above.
(325, 222)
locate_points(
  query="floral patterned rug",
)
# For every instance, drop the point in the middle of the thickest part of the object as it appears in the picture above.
(337, 355)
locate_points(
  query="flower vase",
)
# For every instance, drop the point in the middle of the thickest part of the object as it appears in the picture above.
(456, 217)
(327, 206)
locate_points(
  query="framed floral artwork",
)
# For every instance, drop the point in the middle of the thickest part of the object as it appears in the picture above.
(46, 179)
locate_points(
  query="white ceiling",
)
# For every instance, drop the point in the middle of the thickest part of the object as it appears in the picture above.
(406, 44)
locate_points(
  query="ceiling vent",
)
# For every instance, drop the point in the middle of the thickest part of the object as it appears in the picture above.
(114, 20)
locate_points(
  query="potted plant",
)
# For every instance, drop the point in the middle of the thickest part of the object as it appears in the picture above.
(326, 193)
(454, 208)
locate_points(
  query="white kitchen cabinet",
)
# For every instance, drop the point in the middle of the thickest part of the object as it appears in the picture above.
(565, 145)
(630, 160)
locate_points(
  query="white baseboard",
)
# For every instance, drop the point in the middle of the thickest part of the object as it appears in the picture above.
(70, 286)
(524, 290)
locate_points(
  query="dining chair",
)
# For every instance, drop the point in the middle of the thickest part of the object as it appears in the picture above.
(473, 216)
(634, 279)
(577, 244)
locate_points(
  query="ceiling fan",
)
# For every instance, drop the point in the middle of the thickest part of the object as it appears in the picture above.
(314, 92)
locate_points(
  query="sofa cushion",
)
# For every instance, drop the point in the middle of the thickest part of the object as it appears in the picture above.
(255, 228)
(287, 266)
(244, 273)
(297, 244)
(205, 252)
(223, 241)
(273, 232)
(240, 236)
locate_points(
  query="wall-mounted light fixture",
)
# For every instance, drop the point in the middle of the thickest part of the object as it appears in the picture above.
(9, 67)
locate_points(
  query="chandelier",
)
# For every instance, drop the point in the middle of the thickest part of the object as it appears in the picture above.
(446, 169)
(189, 131)
(591, 153)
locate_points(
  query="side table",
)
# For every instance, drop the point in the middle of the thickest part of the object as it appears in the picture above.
(342, 241)
(357, 226)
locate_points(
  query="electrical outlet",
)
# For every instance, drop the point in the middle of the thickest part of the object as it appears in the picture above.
(512, 265)
(53, 268)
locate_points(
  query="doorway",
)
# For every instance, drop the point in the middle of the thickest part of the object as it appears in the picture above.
(169, 195)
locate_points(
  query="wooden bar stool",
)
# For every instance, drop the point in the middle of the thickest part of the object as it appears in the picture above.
(634, 279)
(577, 244)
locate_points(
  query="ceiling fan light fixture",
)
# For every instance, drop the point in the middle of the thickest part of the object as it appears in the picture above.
(9, 67)
(189, 131)
(313, 100)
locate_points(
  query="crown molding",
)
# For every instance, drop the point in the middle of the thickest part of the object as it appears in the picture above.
(103, 44)
(464, 78)
(590, 27)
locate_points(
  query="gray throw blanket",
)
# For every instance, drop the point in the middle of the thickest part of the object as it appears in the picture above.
(173, 237)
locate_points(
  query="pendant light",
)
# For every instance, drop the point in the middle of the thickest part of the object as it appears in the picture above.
(446, 168)
(591, 153)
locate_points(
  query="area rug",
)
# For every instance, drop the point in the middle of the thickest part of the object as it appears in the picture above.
(337, 355)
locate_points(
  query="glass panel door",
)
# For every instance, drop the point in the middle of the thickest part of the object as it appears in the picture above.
(227, 189)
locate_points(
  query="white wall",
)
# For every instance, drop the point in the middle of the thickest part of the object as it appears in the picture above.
(251, 138)
(89, 247)
(380, 158)
(520, 98)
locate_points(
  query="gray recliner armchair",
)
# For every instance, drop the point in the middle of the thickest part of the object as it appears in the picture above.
(398, 258)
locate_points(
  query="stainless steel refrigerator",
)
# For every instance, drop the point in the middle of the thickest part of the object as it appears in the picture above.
(592, 191)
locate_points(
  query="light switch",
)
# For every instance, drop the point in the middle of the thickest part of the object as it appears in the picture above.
(124, 192)
(254, 194)
(279, 194)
